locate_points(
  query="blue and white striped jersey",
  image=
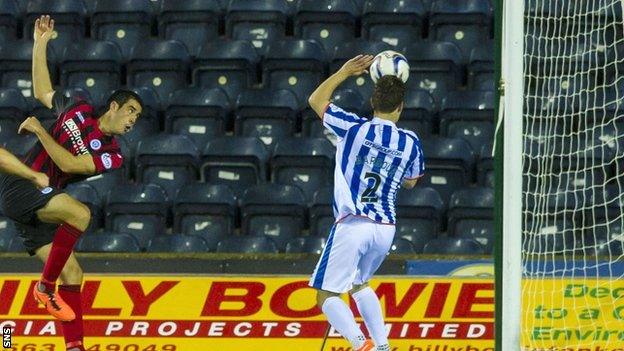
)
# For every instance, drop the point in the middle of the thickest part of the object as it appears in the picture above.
(373, 157)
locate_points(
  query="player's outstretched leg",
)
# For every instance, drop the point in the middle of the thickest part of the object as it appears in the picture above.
(368, 304)
(341, 318)
(74, 218)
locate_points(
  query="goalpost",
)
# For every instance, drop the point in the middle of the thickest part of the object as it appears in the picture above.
(559, 158)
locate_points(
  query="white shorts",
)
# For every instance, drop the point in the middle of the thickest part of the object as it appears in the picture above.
(355, 249)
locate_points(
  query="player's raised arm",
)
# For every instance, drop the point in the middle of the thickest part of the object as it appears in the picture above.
(10, 164)
(42, 86)
(319, 99)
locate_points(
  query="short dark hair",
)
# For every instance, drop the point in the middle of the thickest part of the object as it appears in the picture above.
(388, 94)
(122, 96)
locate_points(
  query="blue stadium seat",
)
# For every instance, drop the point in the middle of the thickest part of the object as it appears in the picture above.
(471, 204)
(418, 113)
(275, 210)
(229, 64)
(394, 22)
(453, 246)
(479, 230)
(137, 209)
(417, 232)
(16, 65)
(168, 160)
(306, 244)
(329, 22)
(305, 163)
(297, 65)
(108, 242)
(450, 165)
(9, 15)
(348, 99)
(13, 106)
(205, 210)
(465, 23)
(20, 145)
(481, 67)
(247, 244)
(550, 237)
(199, 113)
(8, 128)
(468, 115)
(177, 243)
(401, 246)
(485, 166)
(322, 212)
(159, 64)
(124, 22)
(7, 232)
(104, 182)
(266, 114)
(87, 194)
(258, 21)
(238, 162)
(603, 239)
(434, 66)
(143, 128)
(16, 245)
(193, 22)
(69, 20)
(92, 65)
(419, 209)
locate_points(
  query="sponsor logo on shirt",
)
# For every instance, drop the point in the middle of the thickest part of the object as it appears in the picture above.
(383, 149)
(76, 136)
(106, 160)
(80, 117)
(95, 144)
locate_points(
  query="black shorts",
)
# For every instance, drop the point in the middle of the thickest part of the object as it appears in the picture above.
(20, 200)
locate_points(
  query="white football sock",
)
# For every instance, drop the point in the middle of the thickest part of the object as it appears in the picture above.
(341, 318)
(370, 309)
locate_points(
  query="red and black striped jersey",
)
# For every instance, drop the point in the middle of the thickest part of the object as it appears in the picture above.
(77, 130)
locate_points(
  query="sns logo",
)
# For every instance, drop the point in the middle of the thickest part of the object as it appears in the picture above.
(107, 160)
(95, 144)
(46, 190)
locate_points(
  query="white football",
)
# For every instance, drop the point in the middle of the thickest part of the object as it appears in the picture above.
(389, 63)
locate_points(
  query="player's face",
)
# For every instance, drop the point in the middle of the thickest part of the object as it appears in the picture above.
(126, 116)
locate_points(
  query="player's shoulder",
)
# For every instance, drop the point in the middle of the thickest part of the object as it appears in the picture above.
(409, 134)
(338, 111)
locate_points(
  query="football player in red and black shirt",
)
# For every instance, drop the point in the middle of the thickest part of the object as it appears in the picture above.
(79, 144)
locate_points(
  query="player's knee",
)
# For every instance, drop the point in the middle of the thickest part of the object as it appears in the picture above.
(72, 274)
(79, 216)
(357, 287)
(322, 295)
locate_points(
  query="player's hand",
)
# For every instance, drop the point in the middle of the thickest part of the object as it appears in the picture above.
(41, 180)
(44, 27)
(357, 65)
(31, 124)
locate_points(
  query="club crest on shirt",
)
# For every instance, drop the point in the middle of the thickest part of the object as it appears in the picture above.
(95, 144)
(106, 160)
(46, 190)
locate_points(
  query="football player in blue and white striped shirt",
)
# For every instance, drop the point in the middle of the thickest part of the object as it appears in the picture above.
(373, 159)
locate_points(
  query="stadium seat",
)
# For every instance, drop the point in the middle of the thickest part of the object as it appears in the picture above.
(417, 232)
(104, 182)
(419, 209)
(193, 22)
(199, 113)
(550, 237)
(322, 212)
(87, 194)
(485, 166)
(9, 15)
(471, 204)
(13, 106)
(8, 128)
(92, 65)
(603, 239)
(168, 160)
(401, 246)
(468, 115)
(450, 165)
(329, 22)
(258, 21)
(297, 65)
(479, 230)
(205, 210)
(453, 246)
(124, 22)
(275, 210)
(434, 66)
(229, 64)
(159, 64)
(137, 209)
(306, 244)
(465, 23)
(108, 242)
(143, 128)
(418, 113)
(305, 163)
(348, 99)
(481, 67)
(69, 20)
(7, 232)
(238, 162)
(16, 245)
(247, 244)
(16, 65)
(177, 243)
(20, 145)
(394, 22)
(266, 114)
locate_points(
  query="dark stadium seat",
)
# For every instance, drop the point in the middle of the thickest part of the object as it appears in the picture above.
(604, 239)
(143, 128)
(247, 244)
(108, 242)
(417, 232)
(450, 165)
(193, 22)
(177, 243)
(479, 230)
(481, 67)
(258, 21)
(229, 64)
(485, 166)
(137, 209)
(238, 162)
(297, 65)
(394, 22)
(304, 162)
(124, 22)
(104, 182)
(348, 99)
(465, 23)
(468, 115)
(7, 232)
(9, 15)
(16, 245)
(159, 64)
(419, 208)
(87, 194)
(329, 22)
(266, 114)
(91, 65)
(13, 106)
(69, 20)
(8, 128)
(418, 113)
(306, 244)
(322, 212)
(275, 210)
(552, 237)
(16, 65)
(20, 145)
(434, 66)
(199, 113)
(472, 204)
(168, 160)
(205, 210)
(453, 246)
(401, 246)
